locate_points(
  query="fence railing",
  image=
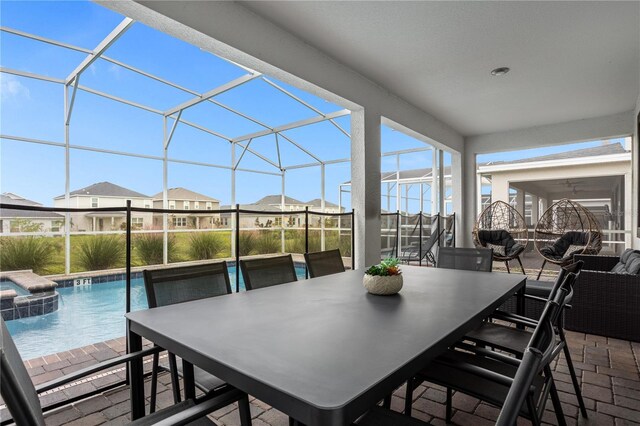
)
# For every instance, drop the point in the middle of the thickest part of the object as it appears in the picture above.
(335, 224)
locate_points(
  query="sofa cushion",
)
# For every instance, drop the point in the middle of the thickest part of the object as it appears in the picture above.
(629, 263)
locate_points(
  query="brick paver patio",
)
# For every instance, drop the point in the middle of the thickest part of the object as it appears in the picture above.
(608, 370)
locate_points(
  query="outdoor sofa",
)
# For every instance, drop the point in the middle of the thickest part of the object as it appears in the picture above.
(606, 298)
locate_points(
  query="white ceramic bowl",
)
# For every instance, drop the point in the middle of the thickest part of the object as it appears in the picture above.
(382, 285)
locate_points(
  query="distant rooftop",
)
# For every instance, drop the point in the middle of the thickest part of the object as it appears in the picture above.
(10, 198)
(105, 189)
(609, 149)
(184, 194)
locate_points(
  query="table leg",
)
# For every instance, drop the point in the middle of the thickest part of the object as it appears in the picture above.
(189, 380)
(136, 377)
(520, 300)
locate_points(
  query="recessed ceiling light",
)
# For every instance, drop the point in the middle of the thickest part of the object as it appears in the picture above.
(500, 71)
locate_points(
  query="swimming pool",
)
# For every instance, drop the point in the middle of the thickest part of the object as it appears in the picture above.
(87, 314)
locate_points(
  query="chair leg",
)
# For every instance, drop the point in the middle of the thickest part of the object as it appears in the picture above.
(572, 373)
(555, 399)
(544, 262)
(175, 380)
(386, 402)
(506, 262)
(408, 397)
(449, 400)
(535, 419)
(520, 262)
(245, 411)
(154, 383)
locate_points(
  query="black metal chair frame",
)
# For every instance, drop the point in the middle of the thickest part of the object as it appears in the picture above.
(481, 258)
(21, 396)
(249, 266)
(542, 345)
(178, 275)
(317, 260)
(482, 336)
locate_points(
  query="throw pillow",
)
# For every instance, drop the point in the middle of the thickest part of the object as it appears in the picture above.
(499, 250)
(573, 250)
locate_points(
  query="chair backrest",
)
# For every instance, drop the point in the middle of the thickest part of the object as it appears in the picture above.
(268, 271)
(537, 355)
(470, 259)
(324, 263)
(167, 286)
(573, 268)
(16, 386)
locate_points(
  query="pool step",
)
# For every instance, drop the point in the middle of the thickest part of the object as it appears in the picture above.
(42, 298)
(29, 281)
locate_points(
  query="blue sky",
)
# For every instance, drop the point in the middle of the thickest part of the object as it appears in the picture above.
(34, 109)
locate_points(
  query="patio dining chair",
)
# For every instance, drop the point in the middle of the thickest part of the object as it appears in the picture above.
(323, 263)
(488, 375)
(519, 389)
(268, 271)
(21, 396)
(470, 259)
(168, 286)
(514, 340)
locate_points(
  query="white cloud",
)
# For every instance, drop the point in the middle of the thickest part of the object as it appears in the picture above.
(115, 71)
(12, 89)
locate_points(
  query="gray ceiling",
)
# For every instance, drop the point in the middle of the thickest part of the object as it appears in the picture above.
(569, 60)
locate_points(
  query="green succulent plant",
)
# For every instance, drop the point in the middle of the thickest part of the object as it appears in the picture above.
(388, 267)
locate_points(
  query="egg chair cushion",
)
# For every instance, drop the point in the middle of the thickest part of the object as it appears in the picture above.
(557, 250)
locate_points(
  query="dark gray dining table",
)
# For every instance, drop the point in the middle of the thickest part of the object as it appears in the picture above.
(323, 350)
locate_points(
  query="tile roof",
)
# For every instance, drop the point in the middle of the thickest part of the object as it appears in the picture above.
(608, 149)
(184, 194)
(105, 189)
(9, 198)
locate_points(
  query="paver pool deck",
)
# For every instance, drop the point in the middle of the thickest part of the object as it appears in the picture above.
(608, 370)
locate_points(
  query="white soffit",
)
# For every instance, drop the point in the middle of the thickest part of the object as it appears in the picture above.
(568, 60)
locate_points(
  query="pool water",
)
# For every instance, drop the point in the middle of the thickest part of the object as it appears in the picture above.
(10, 285)
(86, 315)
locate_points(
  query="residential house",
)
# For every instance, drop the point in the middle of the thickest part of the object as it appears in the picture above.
(105, 194)
(184, 199)
(16, 220)
(271, 203)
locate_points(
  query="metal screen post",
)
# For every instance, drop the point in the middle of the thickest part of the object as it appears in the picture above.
(306, 238)
(438, 230)
(353, 240)
(453, 217)
(420, 242)
(237, 248)
(128, 258)
(398, 234)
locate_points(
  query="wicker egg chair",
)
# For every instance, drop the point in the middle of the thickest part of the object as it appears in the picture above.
(502, 228)
(567, 228)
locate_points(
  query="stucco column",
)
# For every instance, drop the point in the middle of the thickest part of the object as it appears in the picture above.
(365, 185)
(499, 189)
(535, 209)
(520, 201)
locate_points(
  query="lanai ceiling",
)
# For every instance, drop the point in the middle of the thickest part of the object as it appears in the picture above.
(568, 60)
